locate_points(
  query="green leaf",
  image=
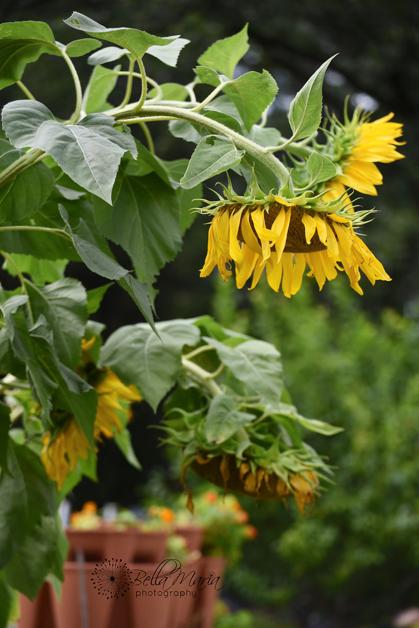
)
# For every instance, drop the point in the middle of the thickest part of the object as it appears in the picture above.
(49, 377)
(320, 168)
(145, 221)
(21, 120)
(22, 43)
(212, 156)
(4, 433)
(124, 443)
(35, 557)
(156, 165)
(306, 108)
(89, 152)
(252, 93)
(6, 601)
(134, 40)
(95, 296)
(152, 362)
(256, 364)
(25, 194)
(224, 54)
(26, 494)
(41, 245)
(107, 55)
(169, 53)
(81, 47)
(42, 271)
(64, 306)
(208, 76)
(265, 136)
(170, 91)
(224, 419)
(314, 425)
(101, 84)
(95, 253)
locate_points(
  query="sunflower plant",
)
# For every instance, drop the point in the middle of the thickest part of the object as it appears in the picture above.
(72, 188)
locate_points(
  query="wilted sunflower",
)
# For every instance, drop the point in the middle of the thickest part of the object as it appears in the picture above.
(61, 453)
(358, 145)
(285, 238)
(225, 472)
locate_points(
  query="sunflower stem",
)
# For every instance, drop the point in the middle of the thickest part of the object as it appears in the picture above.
(244, 143)
(202, 376)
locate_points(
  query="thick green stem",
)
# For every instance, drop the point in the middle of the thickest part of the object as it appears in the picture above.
(28, 159)
(253, 149)
(148, 137)
(77, 86)
(128, 89)
(25, 90)
(202, 376)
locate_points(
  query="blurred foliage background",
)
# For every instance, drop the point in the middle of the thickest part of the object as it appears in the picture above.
(354, 560)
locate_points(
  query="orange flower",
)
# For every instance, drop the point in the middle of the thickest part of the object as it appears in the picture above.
(242, 516)
(211, 497)
(89, 508)
(167, 515)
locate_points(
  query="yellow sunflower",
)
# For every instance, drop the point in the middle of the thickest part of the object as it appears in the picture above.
(284, 239)
(359, 145)
(61, 453)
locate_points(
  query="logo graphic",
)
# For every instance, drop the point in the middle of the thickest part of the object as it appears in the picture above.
(111, 578)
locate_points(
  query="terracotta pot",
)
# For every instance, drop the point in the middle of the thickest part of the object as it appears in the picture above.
(103, 543)
(193, 536)
(149, 546)
(42, 612)
(149, 608)
(212, 567)
(185, 596)
(80, 605)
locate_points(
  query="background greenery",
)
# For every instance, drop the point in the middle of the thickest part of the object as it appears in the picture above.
(353, 561)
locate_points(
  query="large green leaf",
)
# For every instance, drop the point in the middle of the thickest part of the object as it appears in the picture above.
(152, 362)
(50, 378)
(35, 557)
(224, 419)
(145, 221)
(22, 43)
(306, 108)
(212, 155)
(25, 194)
(255, 363)
(252, 93)
(89, 152)
(224, 54)
(95, 253)
(64, 305)
(26, 494)
(101, 84)
(134, 40)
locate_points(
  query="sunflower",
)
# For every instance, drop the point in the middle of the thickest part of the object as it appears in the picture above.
(228, 473)
(61, 453)
(358, 145)
(114, 399)
(285, 238)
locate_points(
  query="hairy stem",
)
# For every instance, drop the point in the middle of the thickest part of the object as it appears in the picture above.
(202, 376)
(52, 230)
(253, 149)
(77, 86)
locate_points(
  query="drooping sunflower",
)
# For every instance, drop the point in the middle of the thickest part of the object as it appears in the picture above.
(62, 451)
(230, 474)
(357, 146)
(286, 238)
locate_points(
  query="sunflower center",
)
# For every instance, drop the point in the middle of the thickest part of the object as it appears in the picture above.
(296, 237)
